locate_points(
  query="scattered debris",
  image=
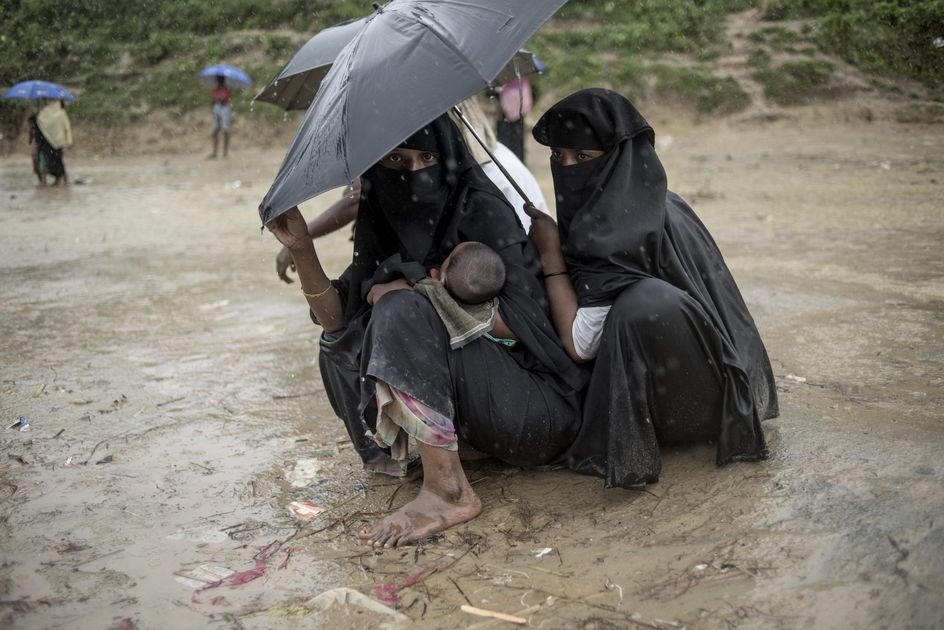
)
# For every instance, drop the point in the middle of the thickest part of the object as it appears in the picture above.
(543, 551)
(56, 436)
(201, 576)
(105, 460)
(388, 592)
(795, 378)
(244, 577)
(22, 424)
(304, 472)
(125, 624)
(305, 511)
(170, 402)
(481, 612)
(344, 596)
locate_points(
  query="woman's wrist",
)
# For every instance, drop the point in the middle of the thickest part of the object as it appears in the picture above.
(553, 263)
(303, 248)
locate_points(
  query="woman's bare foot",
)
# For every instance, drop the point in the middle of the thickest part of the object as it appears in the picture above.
(422, 517)
(446, 499)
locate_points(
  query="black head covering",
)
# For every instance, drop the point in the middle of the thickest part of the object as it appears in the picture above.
(411, 213)
(619, 223)
(408, 222)
(606, 204)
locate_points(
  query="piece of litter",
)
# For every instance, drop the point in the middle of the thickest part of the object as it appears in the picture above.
(348, 597)
(481, 612)
(105, 460)
(200, 576)
(22, 424)
(304, 510)
(795, 378)
(236, 183)
(700, 567)
(540, 553)
(938, 42)
(304, 472)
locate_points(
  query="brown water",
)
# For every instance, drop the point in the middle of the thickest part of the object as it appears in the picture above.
(141, 320)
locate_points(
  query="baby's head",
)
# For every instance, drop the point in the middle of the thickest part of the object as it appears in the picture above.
(473, 273)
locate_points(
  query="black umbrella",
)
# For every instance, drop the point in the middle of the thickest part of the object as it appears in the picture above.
(410, 61)
(295, 87)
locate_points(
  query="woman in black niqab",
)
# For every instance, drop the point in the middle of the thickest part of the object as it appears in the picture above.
(519, 403)
(679, 359)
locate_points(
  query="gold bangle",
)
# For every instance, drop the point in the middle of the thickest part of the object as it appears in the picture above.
(315, 296)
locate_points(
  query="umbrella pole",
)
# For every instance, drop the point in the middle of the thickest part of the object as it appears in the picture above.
(475, 135)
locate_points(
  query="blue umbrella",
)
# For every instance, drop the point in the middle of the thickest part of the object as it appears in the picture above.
(235, 77)
(34, 90)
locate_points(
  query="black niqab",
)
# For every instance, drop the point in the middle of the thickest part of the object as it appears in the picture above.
(619, 223)
(416, 219)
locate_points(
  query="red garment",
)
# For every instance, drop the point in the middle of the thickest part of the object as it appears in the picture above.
(221, 95)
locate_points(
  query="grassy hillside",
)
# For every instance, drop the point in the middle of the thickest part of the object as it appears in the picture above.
(127, 59)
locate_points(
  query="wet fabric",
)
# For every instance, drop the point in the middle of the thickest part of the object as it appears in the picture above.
(619, 224)
(49, 159)
(54, 124)
(464, 322)
(657, 380)
(397, 236)
(401, 417)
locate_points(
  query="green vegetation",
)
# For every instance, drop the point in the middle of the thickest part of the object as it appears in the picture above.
(891, 37)
(795, 82)
(126, 59)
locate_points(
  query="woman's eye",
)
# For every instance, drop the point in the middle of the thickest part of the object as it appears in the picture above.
(394, 157)
(428, 157)
(583, 156)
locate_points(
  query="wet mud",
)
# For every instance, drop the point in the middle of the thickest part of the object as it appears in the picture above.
(175, 408)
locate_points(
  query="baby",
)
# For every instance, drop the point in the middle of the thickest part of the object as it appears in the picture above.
(473, 273)
(463, 291)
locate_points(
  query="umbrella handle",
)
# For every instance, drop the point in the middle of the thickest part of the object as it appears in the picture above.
(475, 135)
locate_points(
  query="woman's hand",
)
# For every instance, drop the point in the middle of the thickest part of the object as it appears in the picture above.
(544, 232)
(291, 230)
(284, 262)
(379, 290)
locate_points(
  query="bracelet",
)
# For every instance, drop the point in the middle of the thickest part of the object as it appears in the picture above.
(315, 296)
(555, 273)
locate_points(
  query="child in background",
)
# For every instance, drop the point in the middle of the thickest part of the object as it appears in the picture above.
(34, 148)
(222, 114)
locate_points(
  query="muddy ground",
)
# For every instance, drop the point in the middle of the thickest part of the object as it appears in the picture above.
(175, 408)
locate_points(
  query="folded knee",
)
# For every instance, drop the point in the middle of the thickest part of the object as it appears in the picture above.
(647, 303)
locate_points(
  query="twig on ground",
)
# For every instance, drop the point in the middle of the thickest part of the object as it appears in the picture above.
(461, 592)
(481, 612)
(289, 396)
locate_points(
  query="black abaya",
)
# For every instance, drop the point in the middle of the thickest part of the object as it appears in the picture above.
(680, 358)
(521, 404)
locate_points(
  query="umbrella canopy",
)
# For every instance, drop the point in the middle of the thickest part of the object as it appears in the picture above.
(34, 90)
(411, 61)
(297, 84)
(235, 78)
